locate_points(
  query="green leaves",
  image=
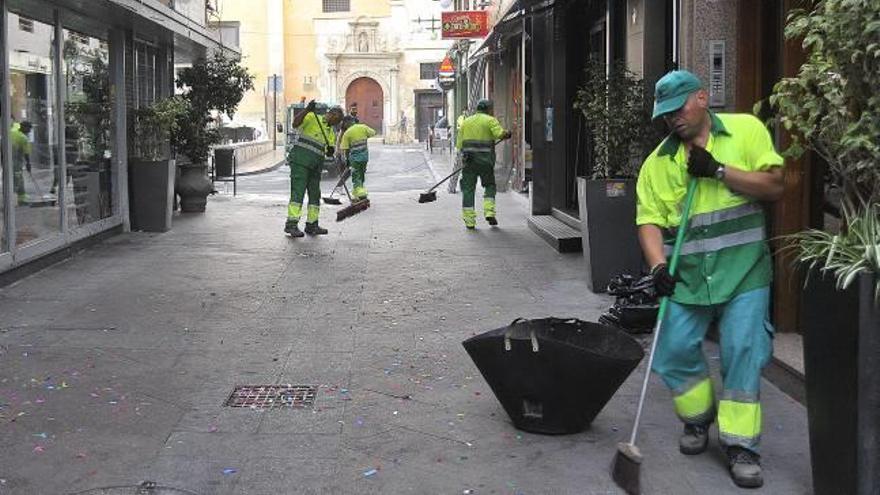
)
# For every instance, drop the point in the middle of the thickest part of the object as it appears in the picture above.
(832, 107)
(846, 255)
(614, 104)
(215, 84)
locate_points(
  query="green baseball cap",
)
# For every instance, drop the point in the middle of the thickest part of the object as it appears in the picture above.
(672, 91)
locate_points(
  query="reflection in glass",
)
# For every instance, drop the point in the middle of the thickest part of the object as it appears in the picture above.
(33, 135)
(85, 65)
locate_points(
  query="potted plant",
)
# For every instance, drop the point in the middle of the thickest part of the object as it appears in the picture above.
(830, 108)
(614, 104)
(211, 87)
(151, 168)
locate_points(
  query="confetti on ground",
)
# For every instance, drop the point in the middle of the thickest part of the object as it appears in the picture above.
(39, 448)
(371, 472)
(230, 471)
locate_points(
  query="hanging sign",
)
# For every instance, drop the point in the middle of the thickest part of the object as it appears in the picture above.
(446, 74)
(469, 24)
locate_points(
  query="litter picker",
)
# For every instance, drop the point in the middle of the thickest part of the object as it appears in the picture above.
(626, 466)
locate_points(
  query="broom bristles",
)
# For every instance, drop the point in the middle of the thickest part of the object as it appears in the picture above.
(352, 209)
(626, 467)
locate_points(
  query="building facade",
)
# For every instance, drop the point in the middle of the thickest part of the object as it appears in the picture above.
(71, 72)
(380, 56)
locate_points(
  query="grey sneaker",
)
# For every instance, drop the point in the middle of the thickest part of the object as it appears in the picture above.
(694, 439)
(745, 467)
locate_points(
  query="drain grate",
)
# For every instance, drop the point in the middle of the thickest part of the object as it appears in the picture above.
(273, 396)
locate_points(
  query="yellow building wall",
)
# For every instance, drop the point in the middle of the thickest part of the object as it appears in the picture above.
(254, 34)
(301, 41)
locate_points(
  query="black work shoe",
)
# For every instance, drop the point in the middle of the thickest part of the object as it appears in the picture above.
(694, 439)
(314, 229)
(492, 221)
(293, 229)
(745, 467)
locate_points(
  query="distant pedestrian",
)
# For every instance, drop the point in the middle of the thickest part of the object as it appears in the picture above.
(402, 128)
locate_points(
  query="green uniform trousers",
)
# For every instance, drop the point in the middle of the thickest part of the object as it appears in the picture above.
(482, 166)
(305, 177)
(358, 177)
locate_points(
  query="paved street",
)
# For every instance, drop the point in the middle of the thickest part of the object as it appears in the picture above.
(115, 365)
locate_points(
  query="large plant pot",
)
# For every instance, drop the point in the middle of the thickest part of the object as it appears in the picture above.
(151, 186)
(608, 230)
(842, 374)
(193, 187)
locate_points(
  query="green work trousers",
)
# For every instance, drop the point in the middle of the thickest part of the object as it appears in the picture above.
(358, 177)
(483, 167)
(305, 177)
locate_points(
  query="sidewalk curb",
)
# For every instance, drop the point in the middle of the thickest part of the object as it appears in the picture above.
(263, 170)
(430, 161)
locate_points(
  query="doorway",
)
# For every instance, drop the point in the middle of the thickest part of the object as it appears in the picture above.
(367, 95)
(429, 105)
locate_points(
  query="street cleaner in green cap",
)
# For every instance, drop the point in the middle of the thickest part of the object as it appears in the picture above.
(476, 140)
(305, 158)
(724, 271)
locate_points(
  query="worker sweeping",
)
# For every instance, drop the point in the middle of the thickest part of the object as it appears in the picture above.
(354, 147)
(476, 141)
(316, 141)
(724, 270)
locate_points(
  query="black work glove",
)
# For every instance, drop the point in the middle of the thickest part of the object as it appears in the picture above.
(701, 163)
(311, 106)
(664, 282)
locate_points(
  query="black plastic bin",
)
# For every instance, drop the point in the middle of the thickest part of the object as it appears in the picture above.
(554, 375)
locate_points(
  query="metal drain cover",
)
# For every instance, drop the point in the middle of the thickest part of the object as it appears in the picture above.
(145, 488)
(272, 396)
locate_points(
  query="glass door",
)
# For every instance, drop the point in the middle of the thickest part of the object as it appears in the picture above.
(33, 136)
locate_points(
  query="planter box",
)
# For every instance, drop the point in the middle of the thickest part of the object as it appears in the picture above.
(608, 230)
(842, 375)
(152, 194)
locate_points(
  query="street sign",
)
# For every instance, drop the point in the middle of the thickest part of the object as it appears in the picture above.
(466, 24)
(447, 68)
(446, 74)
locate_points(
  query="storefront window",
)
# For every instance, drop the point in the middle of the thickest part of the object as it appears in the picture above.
(4, 245)
(87, 112)
(33, 136)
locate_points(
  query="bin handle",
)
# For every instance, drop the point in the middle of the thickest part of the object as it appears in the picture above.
(532, 337)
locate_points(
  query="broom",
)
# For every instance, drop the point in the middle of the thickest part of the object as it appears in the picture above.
(356, 206)
(431, 195)
(627, 462)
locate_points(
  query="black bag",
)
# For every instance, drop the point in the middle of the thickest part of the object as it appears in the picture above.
(636, 305)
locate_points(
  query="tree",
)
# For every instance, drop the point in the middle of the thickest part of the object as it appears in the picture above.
(832, 107)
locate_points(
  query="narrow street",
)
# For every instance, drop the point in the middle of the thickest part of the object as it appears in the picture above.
(116, 364)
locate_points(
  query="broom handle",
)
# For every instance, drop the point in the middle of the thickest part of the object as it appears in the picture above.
(459, 169)
(445, 179)
(664, 302)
